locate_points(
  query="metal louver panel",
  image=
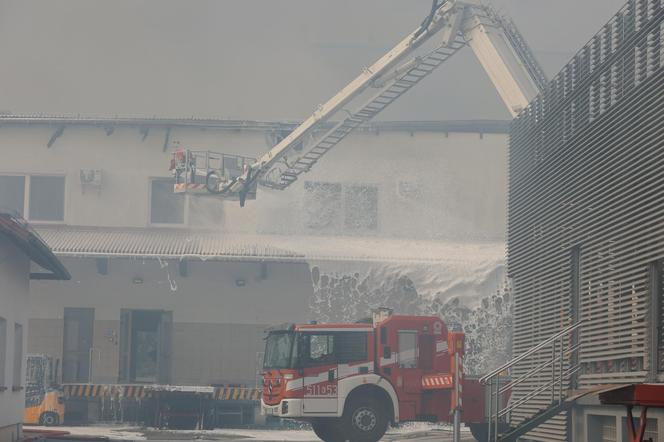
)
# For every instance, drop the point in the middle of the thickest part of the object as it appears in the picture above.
(586, 161)
(659, 326)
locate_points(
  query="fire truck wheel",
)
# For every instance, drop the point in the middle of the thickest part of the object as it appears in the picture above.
(364, 420)
(49, 419)
(328, 430)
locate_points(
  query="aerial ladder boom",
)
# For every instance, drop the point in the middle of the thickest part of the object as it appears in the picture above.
(449, 27)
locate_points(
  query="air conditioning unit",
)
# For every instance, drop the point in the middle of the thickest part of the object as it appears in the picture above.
(90, 178)
(410, 190)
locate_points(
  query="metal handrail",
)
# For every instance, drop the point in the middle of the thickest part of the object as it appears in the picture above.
(560, 352)
(532, 394)
(534, 371)
(533, 350)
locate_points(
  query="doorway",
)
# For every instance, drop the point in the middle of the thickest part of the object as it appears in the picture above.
(77, 343)
(145, 346)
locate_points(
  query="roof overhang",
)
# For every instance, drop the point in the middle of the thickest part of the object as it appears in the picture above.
(446, 126)
(183, 244)
(644, 395)
(19, 232)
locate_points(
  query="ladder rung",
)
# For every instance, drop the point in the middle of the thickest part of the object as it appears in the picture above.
(388, 94)
(408, 83)
(306, 161)
(419, 72)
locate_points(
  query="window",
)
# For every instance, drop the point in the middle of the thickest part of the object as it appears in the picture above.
(318, 350)
(322, 205)
(165, 206)
(77, 343)
(361, 208)
(651, 432)
(351, 346)
(145, 346)
(331, 206)
(657, 317)
(3, 350)
(602, 428)
(12, 193)
(205, 212)
(47, 198)
(333, 348)
(18, 355)
(407, 348)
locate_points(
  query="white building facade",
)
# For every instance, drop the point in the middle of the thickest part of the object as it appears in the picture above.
(178, 289)
(19, 247)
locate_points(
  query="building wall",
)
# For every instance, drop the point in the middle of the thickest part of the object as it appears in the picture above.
(217, 325)
(586, 186)
(597, 423)
(14, 294)
(428, 184)
(421, 185)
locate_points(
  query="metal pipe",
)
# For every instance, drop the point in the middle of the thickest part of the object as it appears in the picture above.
(497, 407)
(457, 408)
(490, 412)
(553, 371)
(560, 397)
(532, 372)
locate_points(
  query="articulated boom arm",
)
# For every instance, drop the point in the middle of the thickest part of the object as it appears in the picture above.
(452, 24)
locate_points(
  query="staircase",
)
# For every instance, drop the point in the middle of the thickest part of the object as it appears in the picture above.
(560, 353)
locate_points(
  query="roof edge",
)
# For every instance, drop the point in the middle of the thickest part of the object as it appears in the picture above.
(23, 236)
(463, 126)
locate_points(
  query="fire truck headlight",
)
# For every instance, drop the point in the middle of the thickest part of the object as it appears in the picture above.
(284, 407)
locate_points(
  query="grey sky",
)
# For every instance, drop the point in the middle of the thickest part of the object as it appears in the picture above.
(250, 59)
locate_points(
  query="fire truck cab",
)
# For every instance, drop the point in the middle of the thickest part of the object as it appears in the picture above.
(350, 381)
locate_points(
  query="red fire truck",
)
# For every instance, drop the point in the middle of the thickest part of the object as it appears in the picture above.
(350, 381)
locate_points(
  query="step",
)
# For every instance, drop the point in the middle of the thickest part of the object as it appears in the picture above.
(535, 421)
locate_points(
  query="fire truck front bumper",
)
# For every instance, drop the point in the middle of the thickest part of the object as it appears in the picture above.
(285, 408)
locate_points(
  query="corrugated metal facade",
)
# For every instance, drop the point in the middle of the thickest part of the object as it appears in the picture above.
(586, 203)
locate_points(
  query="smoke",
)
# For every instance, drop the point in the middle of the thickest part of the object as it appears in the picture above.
(230, 59)
(348, 297)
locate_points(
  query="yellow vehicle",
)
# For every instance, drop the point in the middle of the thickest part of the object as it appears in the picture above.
(44, 399)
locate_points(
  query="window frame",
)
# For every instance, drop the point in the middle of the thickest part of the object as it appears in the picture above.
(348, 192)
(357, 334)
(185, 215)
(17, 372)
(341, 215)
(187, 218)
(3, 354)
(413, 362)
(304, 348)
(28, 189)
(27, 186)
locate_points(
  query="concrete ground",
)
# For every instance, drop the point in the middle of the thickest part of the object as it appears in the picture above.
(415, 432)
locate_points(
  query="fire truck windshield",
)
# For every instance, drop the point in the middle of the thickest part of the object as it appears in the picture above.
(279, 350)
